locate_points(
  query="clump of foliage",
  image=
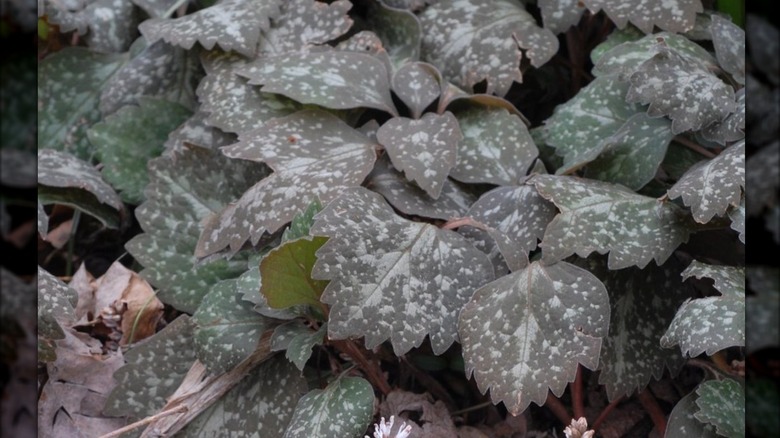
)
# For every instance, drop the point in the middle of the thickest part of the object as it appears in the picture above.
(396, 199)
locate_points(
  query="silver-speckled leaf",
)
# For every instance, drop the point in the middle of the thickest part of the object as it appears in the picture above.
(298, 340)
(196, 132)
(496, 147)
(631, 155)
(412, 5)
(517, 217)
(763, 179)
(560, 15)
(482, 240)
(43, 222)
(313, 155)
(234, 105)
(763, 318)
(475, 40)
(304, 22)
(285, 333)
(671, 15)
(155, 367)
(737, 216)
(399, 31)
(764, 40)
(227, 330)
(231, 24)
(603, 217)
(682, 422)
(126, 140)
(109, 25)
(248, 286)
(159, 70)
(342, 410)
(56, 305)
(368, 43)
(732, 128)
(391, 277)
(526, 332)
(331, 79)
(183, 191)
(410, 199)
(425, 149)
(157, 8)
(261, 405)
(710, 324)
(721, 403)
(682, 89)
(69, 86)
(710, 187)
(614, 39)
(729, 42)
(302, 222)
(418, 85)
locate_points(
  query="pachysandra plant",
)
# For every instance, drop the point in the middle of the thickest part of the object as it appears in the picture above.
(315, 177)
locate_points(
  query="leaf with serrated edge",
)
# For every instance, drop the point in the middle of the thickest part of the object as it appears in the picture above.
(126, 140)
(671, 15)
(722, 404)
(391, 277)
(227, 330)
(682, 89)
(425, 149)
(603, 217)
(196, 132)
(313, 154)
(475, 40)
(682, 422)
(331, 79)
(517, 217)
(300, 347)
(400, 32)
(614, 39)
(154, 369)
(408, 198)
(304, 22)
(109, 25)
(302, 222)
(418, 85)
(710, 187)
(737, 216)
(729, 42)
(182, 191)
(560, 15)
(61, 169)
(710, 324)
(286, 274)
(732, 128)
(69, 86)
(527, 331)
(285, 333)
(56, 305)
(496, 147)
(232, 24)
(342, 410)
(248, 286)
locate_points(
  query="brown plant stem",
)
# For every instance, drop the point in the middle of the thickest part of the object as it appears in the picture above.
(556, 407)
(654, 410)
(694, 146)
(372, 370)
(462, 221)
(577, 399)
(605, 413)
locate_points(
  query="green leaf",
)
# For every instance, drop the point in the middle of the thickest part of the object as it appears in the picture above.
(560, 15)
(126, 140)
(391, 277)
(614, 39)
(248, 286)
(730, 129)
(196, 132)
(671, 15)
(525, 333)
(342, 410)
(682, 422)
(227, 329)
(109, 25)
(43, 221)
(737, 216)
(722, 404)
(602, 217)
(305, 22)
(298, 340)
(418, 85)
(729, 42)
(286, 274)
(400, 32)
(710, 324)
(69, 86)
(302, 222)
(182, 192)
(475, 40)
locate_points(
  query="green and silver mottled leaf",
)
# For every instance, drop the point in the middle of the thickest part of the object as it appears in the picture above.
(614, 39)
(298, 340)
(671, 15)
(313, 155)
(285, 333)
(763, 179)
(342, 410)
(227, 329)
(603, 217)
(710, 324)
(425, 149)
(526, 332)
(682, 422)
(391, 277)
(399, 30)
(408, 198)
(737, 216)
(367, 43)
(286, 274)
(195, 131)
(517, 217)
(69, 86)
(682, 89)
(56, 305)
(157, 8)
(109, 25)
(155, 368)
(475, 40)
(304, 22)
(710, 187)
(248, 286)
(763, 318)
(302, 222)
(560, 15)
(182, 192)
(729, 42)
(496, 147)
(126, 140)
(260, 405)
(231, 24)
(732, 128)
(722, 404)
(418, 85)
(43, 221)
(331, 79)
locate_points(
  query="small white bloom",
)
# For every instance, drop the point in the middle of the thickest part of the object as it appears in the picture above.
(383, 429)
(578, 429)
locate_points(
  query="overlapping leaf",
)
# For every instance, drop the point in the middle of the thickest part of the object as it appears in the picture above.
(671, 15)
(304, 22)
(56, 305)
(181, 193)
(713, 323)
(737, 216)
(418, 85)
(196, 132)
(560, 15)
(399, 31)
(297, 340)
(302, 222)
(683, 423)
(425, 149)
(342, 410)
(286, 274)
(602, 217)
(710, 187)
(721, 403)
(231, 24)
(729, 42)
(475, 40)
(248, 287)
(391, 277)
(732, 128)
(614, 39)
(526, 332)
(109, 25)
